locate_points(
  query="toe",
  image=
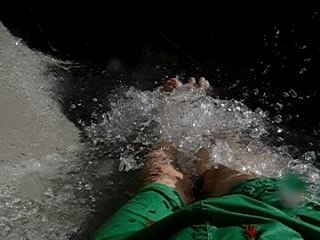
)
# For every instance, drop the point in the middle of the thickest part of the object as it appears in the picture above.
(204, 84)
(192, 82)
(171, 84)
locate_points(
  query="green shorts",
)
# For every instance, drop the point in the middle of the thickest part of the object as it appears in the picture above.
(252, 207)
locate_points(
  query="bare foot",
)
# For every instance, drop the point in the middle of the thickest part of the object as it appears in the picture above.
(174, 84)
(217, 180)
(159, 168)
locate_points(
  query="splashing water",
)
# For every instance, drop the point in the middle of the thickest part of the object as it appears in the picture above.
(236, 136)
(40, 199)
(48, 190)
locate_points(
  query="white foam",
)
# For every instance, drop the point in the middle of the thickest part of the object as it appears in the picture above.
(39, 168)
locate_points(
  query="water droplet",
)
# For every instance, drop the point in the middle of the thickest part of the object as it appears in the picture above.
(293, 93)
(302, 70)
(309, 156)
(245, 95)
(266, 70)
(88, 186)
(285, 94)
(280, 139)
(278, 119)
(278, 106)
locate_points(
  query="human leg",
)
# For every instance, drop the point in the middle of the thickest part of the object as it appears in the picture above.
(165, 190)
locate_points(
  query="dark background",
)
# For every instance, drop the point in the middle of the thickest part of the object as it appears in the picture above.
(235, 35)
(239, 48)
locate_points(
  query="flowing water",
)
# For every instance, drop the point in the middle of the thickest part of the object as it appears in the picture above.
(58, 181)
(38, 145)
